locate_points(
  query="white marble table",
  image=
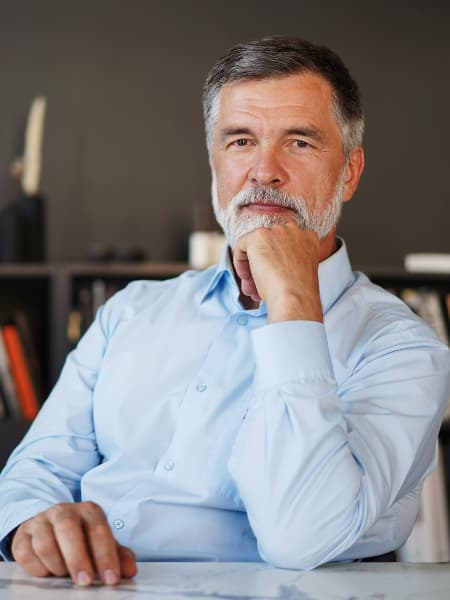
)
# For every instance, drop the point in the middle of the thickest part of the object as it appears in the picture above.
(244, 581)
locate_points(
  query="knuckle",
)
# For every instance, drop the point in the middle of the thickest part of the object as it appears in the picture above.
(57, 510)
(66, 524)
(93, 509)
(44, 546)
(100, 530)
(23, 553)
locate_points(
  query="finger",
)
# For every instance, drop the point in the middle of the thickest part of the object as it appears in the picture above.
(127, 561)
(46, 548)
(240, 258)
(249, 288)
(71, 540)
(240, 249)
(102, 544)
(242, 268)
(25, 556)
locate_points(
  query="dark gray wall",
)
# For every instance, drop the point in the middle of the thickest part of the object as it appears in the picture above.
(124, 157)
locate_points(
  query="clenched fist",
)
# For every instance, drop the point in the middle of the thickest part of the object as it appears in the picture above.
(280, 266)
(72, 539)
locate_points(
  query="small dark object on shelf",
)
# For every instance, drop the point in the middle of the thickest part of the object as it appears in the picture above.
(101, 254)
(22, 230)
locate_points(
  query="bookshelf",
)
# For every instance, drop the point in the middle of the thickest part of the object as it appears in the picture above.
(49, 294)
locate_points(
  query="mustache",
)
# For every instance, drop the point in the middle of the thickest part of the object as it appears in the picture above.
(258, 194)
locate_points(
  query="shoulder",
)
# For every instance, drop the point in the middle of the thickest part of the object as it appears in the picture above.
(143, 296)
(368, 324)
(375, 311)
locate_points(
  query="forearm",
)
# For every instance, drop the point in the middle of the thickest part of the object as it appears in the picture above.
(313, 476)
(291, 452)
(31, 484)
(48, 464)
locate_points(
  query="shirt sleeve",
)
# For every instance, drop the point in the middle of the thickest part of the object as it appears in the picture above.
(47, 466)
(315, 466)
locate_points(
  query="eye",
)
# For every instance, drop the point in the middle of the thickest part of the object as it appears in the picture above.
(301, 144)
(240, 142)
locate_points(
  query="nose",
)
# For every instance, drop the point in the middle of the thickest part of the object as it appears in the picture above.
(267, 168)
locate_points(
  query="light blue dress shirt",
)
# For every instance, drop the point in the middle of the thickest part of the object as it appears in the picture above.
(205, 433)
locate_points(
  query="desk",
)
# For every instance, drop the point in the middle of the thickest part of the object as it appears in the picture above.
(244, 581)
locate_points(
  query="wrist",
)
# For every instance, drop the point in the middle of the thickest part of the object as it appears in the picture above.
(294, 308)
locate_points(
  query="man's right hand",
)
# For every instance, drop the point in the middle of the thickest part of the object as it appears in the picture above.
(72, 539)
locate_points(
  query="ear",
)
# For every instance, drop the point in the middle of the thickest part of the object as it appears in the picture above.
(353, 172)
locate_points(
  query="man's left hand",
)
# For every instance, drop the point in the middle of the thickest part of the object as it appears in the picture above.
(280, 266)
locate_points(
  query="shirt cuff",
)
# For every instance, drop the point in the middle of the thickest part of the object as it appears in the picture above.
(291, 351)
(5, 546)
(14, 513)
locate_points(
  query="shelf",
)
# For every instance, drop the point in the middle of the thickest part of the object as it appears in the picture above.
(26, 270)
(93, 269)
(149, 269)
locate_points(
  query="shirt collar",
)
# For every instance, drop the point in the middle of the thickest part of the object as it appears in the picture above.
(223, 268)
(335, 275)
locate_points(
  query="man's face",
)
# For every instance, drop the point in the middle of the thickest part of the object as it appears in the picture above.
(277, 155)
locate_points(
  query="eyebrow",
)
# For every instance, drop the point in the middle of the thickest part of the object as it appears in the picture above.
(309, 132)
(231, 131)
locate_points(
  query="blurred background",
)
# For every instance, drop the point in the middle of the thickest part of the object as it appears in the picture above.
(124, 160)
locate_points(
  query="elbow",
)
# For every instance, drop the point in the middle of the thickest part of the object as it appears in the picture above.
(308, 543)
(287, 551)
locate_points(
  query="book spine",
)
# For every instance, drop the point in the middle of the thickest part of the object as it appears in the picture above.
(3, 405)
(8, 385)
(20, 370)
(26, 339)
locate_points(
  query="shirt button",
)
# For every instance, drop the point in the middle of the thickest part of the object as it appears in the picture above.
(118, 524)
(169, 465)
(202, 387)
(242, 320)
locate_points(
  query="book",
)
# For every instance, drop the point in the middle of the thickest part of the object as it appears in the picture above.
(26, 393)
(98, 290)
(3, 405)
(427, 263)
(26, 337)
(88, 301)
(11, 400)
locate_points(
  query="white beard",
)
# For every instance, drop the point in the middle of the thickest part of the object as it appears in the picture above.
(236, 223)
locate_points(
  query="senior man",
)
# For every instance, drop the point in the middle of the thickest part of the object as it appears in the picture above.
(276, 406)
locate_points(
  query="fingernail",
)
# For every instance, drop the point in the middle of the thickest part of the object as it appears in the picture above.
(109, 577)
(83, 578)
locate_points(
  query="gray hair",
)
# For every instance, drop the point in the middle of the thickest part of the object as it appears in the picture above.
(279, 56)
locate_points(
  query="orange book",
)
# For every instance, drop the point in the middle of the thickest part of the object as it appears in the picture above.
(20, 372)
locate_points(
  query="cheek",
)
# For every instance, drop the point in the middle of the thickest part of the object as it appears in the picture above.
(313, 185)
(229, 179)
